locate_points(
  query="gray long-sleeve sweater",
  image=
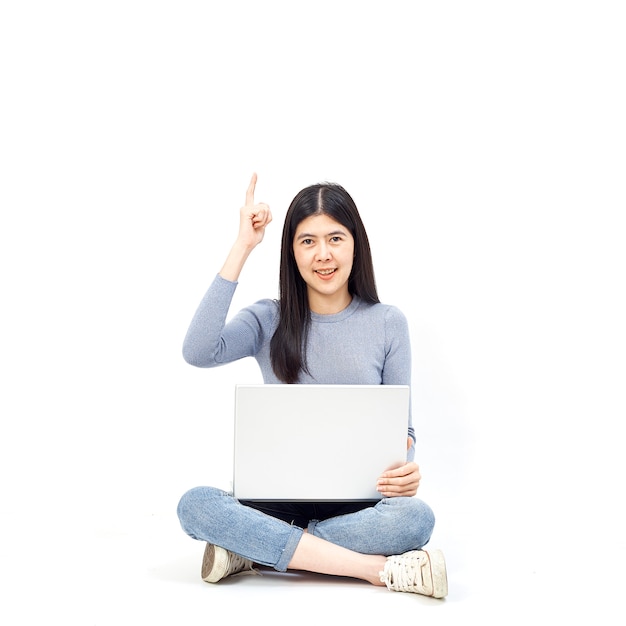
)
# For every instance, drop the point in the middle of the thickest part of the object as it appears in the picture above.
(365, 344)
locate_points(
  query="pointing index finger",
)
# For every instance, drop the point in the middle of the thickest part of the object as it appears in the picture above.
(250, 192)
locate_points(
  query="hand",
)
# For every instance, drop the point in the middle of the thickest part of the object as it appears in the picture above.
(401, 481)
(253, 218)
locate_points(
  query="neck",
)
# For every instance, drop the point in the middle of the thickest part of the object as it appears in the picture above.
(328, 305)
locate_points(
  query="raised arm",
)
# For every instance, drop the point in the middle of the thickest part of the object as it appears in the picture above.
(253, 218)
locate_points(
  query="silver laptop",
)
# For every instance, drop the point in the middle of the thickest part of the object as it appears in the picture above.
(317, 442)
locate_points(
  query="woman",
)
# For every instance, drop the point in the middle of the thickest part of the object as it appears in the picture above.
(327, 299)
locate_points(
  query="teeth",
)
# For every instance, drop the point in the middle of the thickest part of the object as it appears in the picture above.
(325, 272)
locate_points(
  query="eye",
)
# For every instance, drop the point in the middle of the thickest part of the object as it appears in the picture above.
(336, 239)
(307, 241)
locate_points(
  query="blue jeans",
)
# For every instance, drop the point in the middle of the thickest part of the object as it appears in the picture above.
(268, 533)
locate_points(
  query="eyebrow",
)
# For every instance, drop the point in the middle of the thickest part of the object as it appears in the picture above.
(312, 236)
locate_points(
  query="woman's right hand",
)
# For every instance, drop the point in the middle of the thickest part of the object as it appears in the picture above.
(253, 218)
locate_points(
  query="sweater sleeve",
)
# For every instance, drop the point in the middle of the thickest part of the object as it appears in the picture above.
(211, 340)
(397, 370)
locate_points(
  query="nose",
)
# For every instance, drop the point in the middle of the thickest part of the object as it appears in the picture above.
(323, 252)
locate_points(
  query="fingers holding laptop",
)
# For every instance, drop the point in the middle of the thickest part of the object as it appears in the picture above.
(401, 481)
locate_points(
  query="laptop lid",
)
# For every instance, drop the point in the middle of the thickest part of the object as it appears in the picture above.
(317, 442)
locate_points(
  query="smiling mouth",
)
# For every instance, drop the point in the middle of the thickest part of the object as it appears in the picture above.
(325, 272)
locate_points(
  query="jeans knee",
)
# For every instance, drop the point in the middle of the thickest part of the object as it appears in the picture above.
(192, 505)
(423, 522)
(415, 518)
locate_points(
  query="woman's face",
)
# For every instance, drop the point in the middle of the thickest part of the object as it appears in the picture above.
(324, 253)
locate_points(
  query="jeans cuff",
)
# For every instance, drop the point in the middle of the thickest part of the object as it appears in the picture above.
(289, 549)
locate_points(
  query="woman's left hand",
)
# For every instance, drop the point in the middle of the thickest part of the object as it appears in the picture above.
(402, 481)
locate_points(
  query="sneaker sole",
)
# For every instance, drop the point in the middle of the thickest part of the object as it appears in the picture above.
(438, 573)
(214, 563)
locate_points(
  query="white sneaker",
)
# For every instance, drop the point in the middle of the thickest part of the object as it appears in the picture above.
(417, 571)
(218, 563)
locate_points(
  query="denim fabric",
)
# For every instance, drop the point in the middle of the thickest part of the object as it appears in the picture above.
(268, 533)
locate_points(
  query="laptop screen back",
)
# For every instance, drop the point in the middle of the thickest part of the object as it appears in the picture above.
(317, 442)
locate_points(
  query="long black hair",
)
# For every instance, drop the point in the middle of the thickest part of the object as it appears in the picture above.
(288, 344)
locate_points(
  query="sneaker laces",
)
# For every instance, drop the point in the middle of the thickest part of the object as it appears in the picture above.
(237, 565)
(404, 572)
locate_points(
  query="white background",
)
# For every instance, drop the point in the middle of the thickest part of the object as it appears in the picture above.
(484, 143)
